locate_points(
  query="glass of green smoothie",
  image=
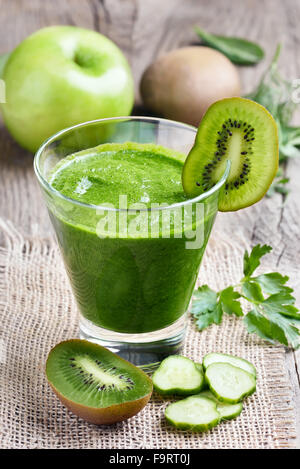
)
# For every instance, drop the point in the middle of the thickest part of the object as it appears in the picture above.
(131, 241)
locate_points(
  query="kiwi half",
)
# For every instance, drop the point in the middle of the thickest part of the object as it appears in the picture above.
(96, 384)
(244, 132)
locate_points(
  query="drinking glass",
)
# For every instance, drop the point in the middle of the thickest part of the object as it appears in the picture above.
(132, 269)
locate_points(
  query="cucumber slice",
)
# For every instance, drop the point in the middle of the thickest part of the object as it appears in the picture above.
(224, 358)
(193, 413)
(226, 411)
(229, 383)
(178, 375)
(199, 367)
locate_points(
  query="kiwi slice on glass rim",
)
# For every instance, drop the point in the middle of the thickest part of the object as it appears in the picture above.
(244, 132)
(96, 384)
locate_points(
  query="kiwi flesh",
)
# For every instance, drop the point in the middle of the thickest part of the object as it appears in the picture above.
(96, 384)
(244, 132)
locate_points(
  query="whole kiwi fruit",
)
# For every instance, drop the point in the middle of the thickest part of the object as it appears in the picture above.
(96, 384)
(183, 83)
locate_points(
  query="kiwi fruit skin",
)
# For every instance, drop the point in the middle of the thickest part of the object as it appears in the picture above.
(106, 416)
(183, 83)
(193, 162)
(102, 415)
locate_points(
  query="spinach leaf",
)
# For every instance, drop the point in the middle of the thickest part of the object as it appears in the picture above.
(238, 50)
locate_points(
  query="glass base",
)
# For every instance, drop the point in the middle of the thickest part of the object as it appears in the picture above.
(146, 350)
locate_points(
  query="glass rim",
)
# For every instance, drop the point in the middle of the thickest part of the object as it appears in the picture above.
(146, 119)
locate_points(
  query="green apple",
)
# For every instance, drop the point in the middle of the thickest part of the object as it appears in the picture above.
(61, 76)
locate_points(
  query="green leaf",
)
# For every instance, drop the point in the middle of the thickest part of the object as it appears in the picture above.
(252, 291)
(289, 141)
(295, 322)
(289, 311)
(271, 325)
(205, 298)
(252, 261)
(239, 51)
(275, 318)
(278, 185)
(206, 308)
(289, 150)
(273, 282)
(290, 134)
(228, 299)
(282, 303)
(268, 330)
(291, 333)
(282, 298)
(208, 317)
(274, 93)
(284, 181)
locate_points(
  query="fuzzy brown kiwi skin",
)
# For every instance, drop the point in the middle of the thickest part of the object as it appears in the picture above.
(106, 415)
(183, 83)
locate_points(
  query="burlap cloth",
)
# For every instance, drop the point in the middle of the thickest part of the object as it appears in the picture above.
(37, 310)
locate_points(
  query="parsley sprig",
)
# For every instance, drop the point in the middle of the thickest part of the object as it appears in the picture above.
(273, 317)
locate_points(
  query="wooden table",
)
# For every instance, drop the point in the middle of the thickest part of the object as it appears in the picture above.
(145, 29)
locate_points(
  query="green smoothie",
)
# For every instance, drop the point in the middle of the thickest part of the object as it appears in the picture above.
(134, 283)
(145, 173)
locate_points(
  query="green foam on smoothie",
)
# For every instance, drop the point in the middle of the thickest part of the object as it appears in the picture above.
(145, 173)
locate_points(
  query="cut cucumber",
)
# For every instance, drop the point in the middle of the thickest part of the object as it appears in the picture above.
(195, 413)
(229, 383)
(224, 358)
(226, 411)
(178, 375)
(199, 367)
